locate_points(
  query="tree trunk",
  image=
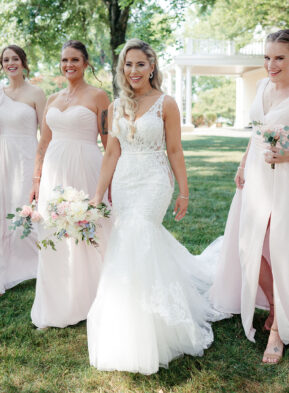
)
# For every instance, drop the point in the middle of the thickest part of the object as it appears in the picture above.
(118, 19)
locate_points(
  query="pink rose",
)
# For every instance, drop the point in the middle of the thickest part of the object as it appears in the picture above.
(35, 216)
(82, 222)
(54, 216)
(26, 211)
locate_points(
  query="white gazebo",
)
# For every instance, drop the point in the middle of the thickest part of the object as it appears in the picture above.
(214, 57)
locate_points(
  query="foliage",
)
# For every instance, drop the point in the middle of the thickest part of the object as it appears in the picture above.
(56, 360)
(219, 100)
(42, 26)
(241, 21)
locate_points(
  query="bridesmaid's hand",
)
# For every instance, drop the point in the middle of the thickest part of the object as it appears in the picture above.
(34, 193)
(181, 208)
(273, 155)
(96, 200)
(239, 178)
(109, 195)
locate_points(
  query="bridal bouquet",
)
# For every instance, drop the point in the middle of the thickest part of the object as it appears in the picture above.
(24, 217)
(273, 135)
(69, 214)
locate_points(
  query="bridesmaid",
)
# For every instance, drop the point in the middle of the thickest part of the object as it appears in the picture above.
(21, 110)
(256, 242)
(68, 155)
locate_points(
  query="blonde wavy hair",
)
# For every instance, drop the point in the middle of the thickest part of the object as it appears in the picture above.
(128, 104)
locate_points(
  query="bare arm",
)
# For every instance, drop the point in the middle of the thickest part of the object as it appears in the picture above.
(239, 177)
(109, 162)
(40, 103)
(102, 118)
(175, 154)
(40, 154)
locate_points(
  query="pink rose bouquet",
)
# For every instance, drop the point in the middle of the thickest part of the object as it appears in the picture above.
(24, 217)
(277, 134)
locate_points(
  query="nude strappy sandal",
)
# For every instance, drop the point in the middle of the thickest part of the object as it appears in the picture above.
(272, 356)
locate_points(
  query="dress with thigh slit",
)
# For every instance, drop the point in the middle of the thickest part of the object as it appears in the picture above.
(247, 236)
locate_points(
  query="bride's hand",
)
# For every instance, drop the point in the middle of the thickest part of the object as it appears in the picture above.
(239, 178)
(181, 207)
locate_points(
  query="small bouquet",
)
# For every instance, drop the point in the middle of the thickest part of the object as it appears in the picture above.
(273, 135)
(24, 217)
(71, 215)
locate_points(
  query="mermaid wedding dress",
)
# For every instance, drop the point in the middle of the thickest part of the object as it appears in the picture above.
(150, 306)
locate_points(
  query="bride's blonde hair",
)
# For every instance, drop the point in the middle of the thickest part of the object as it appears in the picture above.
(128, 105)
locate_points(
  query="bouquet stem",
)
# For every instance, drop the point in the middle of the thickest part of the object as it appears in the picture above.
(273, 143)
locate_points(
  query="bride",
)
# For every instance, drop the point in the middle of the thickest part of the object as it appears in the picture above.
(149, 308)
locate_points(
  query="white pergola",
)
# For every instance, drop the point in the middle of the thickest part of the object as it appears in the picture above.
(213, 57)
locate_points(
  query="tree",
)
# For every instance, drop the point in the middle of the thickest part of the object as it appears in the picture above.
(237, 20)
(42, 26)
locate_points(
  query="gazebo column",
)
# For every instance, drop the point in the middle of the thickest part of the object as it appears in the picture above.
(188, 96)
(169, 83)
(239, 120)
(179, 98)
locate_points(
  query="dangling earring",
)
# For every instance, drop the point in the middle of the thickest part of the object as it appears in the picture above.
(151, 75)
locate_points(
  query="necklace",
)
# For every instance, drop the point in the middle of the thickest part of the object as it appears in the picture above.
(70, 95)
(144, 95)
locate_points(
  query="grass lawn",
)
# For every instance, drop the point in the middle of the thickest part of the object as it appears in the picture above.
(56, 360)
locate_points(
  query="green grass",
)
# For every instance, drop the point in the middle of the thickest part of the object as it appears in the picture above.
(56, 360)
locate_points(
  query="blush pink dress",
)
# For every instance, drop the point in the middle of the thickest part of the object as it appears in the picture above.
(18, 142)
(265, 195)
(67, 279)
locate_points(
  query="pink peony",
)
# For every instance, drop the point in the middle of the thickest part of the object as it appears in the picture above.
(35, 216)
(26, 211)
(54, 215)
(62, 208)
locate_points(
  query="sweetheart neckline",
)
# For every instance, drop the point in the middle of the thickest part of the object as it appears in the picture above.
(71, 106)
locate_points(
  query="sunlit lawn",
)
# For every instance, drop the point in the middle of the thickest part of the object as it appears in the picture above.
(56, 360)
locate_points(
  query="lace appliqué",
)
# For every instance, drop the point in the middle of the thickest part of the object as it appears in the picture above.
(170, 303)
(149, 135)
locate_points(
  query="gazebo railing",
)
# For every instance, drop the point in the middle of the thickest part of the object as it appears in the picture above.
(212, 47)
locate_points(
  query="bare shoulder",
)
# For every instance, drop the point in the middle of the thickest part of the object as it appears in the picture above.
(52, 98)
(98, 94)
(36, 92)
(169, 105)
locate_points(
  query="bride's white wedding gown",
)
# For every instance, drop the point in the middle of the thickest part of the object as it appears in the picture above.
(149, 307)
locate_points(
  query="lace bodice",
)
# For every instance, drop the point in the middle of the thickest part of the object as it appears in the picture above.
(149, 135)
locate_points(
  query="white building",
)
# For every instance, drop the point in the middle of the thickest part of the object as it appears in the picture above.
(213, 57)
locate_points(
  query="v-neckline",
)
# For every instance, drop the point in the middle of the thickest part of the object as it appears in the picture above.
(272, 107)
(149, 109)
